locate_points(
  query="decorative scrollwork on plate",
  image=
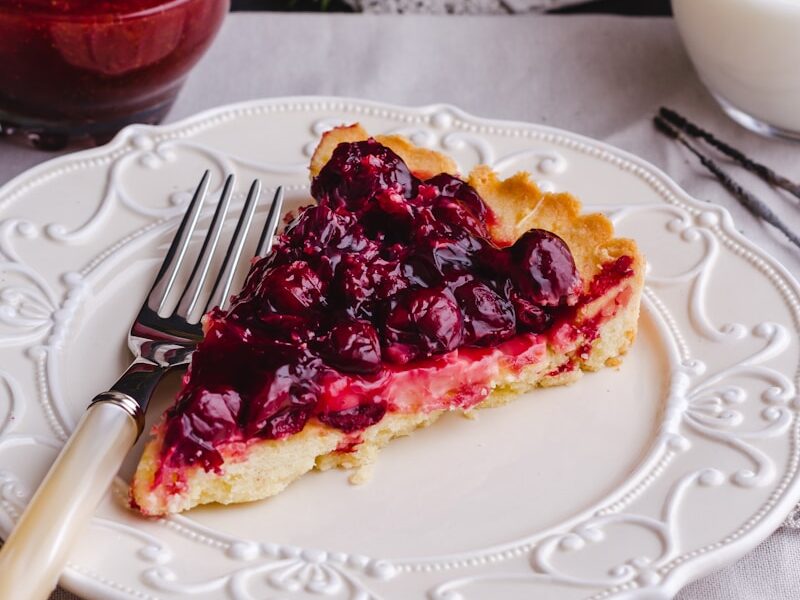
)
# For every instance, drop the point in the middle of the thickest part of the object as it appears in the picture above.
(282, 569)
(690, 229)
(13, 498)
(594, 532)
(711, 405)
(12, 407)
(149, 153)
(27, 301)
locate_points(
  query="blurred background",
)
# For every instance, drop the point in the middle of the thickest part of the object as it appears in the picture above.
(623, 7)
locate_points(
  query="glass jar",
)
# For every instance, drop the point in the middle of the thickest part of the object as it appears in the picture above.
(747, 52)
(80, 70)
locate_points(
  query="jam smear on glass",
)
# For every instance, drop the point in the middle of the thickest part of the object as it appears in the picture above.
(385, 273)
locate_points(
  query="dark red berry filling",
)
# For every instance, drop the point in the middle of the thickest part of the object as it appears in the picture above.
(384, 275)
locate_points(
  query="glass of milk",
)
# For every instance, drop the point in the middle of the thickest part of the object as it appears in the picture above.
(747, 52)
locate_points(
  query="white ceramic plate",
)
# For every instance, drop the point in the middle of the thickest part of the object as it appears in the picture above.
(627, 484)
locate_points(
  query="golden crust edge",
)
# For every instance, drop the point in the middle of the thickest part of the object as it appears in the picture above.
(422, 161)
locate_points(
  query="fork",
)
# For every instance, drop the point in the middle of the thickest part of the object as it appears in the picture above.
(36, 551)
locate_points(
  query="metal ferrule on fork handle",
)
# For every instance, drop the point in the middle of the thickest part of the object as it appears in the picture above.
(126, 403)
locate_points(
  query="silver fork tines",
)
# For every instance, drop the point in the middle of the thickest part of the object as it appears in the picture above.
(158, 342)
(173, 264)
(220, 296)
(271, 226)
(194, 287)
(222, 286)
(177, 249)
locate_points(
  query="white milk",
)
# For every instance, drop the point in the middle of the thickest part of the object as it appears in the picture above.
(748, 54)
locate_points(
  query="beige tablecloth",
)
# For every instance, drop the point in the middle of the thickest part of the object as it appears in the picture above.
(600, 76)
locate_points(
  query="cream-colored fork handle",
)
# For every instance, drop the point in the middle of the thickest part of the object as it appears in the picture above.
(37, 549)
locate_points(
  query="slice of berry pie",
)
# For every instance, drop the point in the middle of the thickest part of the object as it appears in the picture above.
(403, 293)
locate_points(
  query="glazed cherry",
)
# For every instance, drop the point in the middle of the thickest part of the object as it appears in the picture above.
(292, 288)
(395, 206)
(356, 418)
(359, 171)
(318, 228)
(233, 342)
(422, 322)
(449, 210)
(278, 338)
(291, 329)
(214, 415)
(441, 247)
(360, 283)
(488, 318)
(530, 316)
(453, 187)
(543, 269)
(285, 401)
(184, 446)
(201, 419)
(353, 347)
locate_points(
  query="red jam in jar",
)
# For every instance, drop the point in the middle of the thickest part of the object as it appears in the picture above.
(82, 69)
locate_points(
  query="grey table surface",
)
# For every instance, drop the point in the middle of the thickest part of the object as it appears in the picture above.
(596, 75)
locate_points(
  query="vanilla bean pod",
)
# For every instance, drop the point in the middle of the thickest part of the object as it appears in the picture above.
(745, 198)
(763, 171)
